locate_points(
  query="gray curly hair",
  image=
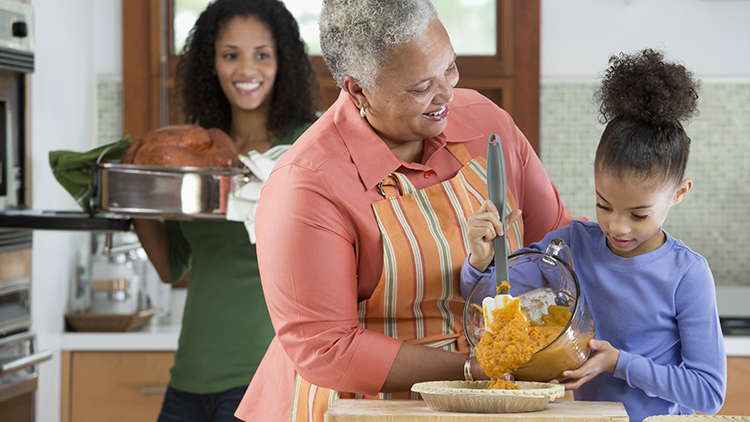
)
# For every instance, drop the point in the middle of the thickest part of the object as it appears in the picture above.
(356, 34)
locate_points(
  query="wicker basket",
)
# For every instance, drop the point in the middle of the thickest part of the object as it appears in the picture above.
(88, 322)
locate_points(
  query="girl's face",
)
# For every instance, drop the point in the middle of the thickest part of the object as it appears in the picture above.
(631, 212)
(246, 62)
(414, 88)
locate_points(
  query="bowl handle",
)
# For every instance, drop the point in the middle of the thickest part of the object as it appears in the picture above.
(560, 249)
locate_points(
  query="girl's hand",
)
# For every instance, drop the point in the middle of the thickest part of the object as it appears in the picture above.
(604, 359)
(483, 226)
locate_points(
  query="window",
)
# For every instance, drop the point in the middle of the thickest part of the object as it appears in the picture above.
(470, 23)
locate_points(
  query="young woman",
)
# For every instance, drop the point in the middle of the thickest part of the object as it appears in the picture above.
(244, 70)
(659, 347)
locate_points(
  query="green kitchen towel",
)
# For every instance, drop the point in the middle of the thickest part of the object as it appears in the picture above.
(75, 170)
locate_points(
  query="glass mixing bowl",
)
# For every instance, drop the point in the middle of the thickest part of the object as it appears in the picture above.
(540, 279)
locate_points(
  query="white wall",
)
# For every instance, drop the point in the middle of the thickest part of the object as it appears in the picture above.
(107, 26)
(711, 37)
(75, 40)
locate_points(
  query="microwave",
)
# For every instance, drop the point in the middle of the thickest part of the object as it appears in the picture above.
(10, 170)
(16, 62)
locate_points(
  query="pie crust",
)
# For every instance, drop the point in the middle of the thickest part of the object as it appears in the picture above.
(474, 397)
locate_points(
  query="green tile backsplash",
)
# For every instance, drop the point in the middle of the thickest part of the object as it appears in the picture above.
(714, 219)
(109, 111)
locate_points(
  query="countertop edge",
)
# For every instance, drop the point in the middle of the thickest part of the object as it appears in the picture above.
(153, 337)
(737, 346)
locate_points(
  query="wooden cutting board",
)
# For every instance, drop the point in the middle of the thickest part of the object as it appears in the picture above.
(346, 410)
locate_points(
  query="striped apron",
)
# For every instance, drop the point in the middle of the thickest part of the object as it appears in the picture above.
(424, 245)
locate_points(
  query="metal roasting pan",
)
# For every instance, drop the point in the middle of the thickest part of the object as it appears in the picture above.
(164, 192)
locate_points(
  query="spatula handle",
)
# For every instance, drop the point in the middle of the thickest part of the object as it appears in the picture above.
(497, 189)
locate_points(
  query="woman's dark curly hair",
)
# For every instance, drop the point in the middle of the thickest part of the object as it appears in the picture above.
(295, 92)
(643, 101)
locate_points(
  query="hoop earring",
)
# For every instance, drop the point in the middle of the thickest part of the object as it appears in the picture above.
(362, 112)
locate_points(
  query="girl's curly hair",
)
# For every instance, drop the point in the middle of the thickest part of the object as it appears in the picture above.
(643, 100)
(295, 92)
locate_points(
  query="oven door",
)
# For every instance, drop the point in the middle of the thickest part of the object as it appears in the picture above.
(15, 307)
(18, 360)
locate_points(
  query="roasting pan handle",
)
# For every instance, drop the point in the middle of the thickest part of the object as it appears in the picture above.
(108, 149)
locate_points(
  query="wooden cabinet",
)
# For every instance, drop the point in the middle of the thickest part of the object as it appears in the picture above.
(738, 387)
(114, 386)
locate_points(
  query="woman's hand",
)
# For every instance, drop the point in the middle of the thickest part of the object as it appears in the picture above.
(483, 226)
(477, 372)
(604, 359)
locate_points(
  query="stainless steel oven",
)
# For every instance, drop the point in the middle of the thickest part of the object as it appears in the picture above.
(19, 354)
(19, 358)
(15, 305)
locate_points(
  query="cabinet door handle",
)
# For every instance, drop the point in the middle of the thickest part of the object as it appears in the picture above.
(153, 390)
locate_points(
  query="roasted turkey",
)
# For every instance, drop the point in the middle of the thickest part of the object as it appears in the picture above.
(184, 146)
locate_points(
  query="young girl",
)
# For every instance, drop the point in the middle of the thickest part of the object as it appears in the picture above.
(244, 70)
(659, 347)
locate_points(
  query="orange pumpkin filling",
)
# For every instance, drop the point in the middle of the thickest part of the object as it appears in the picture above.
(511, 340)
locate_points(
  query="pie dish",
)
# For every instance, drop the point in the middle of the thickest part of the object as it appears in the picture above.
(474, 397)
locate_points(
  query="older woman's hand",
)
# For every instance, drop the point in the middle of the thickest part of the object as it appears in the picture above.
(483, 226)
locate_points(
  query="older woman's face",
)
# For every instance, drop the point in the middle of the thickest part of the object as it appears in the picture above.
(414, 87)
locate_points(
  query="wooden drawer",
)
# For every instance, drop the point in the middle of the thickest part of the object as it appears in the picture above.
(114, 386)
(738, 387)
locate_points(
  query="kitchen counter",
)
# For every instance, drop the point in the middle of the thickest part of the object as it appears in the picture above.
(345, 410)
(163, 337)
(152, 337)
(160, 335)
(737, 345)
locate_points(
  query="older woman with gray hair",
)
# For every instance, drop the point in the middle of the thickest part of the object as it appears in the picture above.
(361, 226)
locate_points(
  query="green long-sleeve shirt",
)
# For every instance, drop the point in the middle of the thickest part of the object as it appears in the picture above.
(225, 326)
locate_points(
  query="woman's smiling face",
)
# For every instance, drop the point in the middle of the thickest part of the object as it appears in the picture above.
(246, 62)
(414, 87)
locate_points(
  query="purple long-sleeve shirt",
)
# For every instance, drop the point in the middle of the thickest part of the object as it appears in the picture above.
(659, 309)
